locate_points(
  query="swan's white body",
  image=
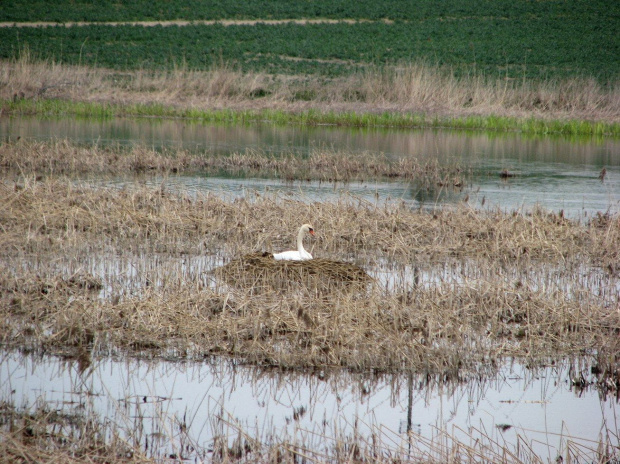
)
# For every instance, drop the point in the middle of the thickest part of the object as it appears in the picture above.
(300, 254)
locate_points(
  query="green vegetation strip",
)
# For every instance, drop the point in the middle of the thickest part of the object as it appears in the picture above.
(533, 126)
(542, 46)
(161, 10)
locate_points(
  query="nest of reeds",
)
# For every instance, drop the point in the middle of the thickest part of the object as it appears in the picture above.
(261, 271)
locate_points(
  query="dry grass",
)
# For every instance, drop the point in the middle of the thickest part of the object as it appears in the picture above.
(65, 157)
(443, 329)
(419, 86)
(46, 435)
(260, 272)
(462, 286)
(56, 215)
(411, 88)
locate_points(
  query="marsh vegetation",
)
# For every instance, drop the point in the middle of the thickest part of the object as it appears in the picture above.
(407, 96)
(98, 272)
(106, 260)
(524, 284)
(90, 270)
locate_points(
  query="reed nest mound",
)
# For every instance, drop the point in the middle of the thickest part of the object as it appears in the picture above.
(260, 271)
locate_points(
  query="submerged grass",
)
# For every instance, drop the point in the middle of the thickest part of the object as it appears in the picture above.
(46, 435)
(78, 435)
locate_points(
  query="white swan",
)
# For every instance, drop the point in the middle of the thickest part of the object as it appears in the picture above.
(300, 254)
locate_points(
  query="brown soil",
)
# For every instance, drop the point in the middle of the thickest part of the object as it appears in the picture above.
(223, 22)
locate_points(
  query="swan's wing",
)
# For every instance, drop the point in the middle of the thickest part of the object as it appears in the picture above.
(288, 256)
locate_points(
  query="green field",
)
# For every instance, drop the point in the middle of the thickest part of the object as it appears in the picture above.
(518, 39)
(418, 10)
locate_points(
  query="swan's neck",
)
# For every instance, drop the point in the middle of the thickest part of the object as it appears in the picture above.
(300, 242)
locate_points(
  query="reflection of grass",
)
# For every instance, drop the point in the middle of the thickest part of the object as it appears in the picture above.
(487, 284)
(144, 428)
(51, 435)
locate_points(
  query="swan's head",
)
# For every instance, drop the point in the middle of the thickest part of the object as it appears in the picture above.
(307, 228)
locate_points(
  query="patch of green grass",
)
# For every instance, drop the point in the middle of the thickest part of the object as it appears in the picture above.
(311, 117)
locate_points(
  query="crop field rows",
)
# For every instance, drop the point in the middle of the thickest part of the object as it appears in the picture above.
(158, 10)
(521, 41)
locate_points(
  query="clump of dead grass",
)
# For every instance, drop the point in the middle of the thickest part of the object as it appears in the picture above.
(30, 78)
(260, 271)
(63, 157)
(58, 157)
(435, 90)
(453, 288)
(27, 77)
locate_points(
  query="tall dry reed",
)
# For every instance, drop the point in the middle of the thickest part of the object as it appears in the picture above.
(416, 87)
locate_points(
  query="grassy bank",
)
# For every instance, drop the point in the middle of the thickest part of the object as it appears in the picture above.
(404, 97)
(531, 126)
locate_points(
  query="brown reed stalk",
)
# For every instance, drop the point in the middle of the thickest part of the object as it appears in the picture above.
(528, 285)
(410, 87)
(63, 157)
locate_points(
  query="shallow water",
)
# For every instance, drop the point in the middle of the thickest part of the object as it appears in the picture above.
(149, 399)
(556, 173)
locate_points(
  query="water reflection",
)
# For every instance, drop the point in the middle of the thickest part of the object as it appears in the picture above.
(170, 404)
(131, 273)
(199, 401)
(498, 150)
(557, 173)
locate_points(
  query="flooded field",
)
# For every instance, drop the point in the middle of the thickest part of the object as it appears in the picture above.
(189, 409)
(508, 171)
(488, 330)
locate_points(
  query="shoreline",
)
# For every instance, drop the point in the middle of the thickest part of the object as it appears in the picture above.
(249, 113)
(410, 97)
